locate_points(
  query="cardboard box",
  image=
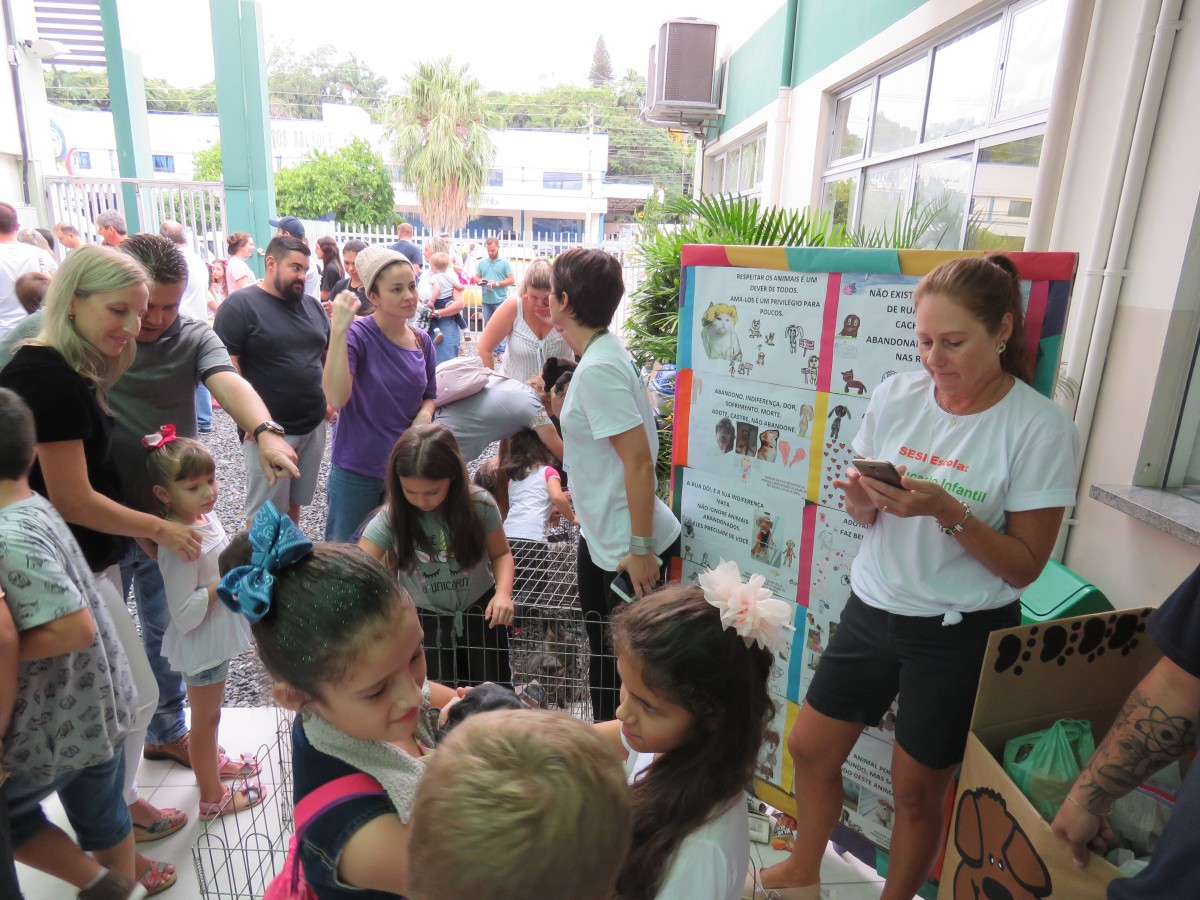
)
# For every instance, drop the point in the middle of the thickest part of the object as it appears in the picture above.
(1081, 668)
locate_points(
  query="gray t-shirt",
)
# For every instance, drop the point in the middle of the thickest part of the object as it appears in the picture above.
(499, 411)
(73, 709)
(160, 389)
(437, 584)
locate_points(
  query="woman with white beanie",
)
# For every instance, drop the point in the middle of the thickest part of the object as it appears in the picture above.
(379, 375)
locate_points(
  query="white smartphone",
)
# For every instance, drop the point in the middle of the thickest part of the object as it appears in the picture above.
(879, 469)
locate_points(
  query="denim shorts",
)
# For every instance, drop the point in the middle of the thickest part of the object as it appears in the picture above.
(875, 656)
(93, 798)
(215, 675)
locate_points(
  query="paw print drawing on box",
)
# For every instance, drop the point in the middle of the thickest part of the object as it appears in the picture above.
(842, 421)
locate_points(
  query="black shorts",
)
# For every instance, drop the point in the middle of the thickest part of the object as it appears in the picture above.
(875, 656)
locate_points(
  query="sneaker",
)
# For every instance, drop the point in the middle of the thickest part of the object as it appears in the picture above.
(437, 335)
(113, 886)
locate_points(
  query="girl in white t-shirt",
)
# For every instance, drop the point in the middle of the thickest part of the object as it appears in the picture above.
(203, 635)
(694, 711)
(529, 492)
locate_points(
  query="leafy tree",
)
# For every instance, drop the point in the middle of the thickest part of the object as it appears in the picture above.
(88, 89)
(206, 163)
(601, 70)
(298, 85)
(351, 184)
(438, 129)
(631, 89)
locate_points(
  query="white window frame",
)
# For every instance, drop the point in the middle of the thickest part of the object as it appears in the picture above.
(716, 167)
(998, 129)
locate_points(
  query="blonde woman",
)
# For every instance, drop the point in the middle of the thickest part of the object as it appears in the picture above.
(93, 313)
(524, 321)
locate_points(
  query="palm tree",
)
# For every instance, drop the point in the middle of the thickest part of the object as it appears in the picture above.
(631, 89)
(438, 130)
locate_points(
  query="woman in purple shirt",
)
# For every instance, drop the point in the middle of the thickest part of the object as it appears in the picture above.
(379, 375)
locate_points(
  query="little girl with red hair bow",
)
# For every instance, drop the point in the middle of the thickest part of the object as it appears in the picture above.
(203, 635)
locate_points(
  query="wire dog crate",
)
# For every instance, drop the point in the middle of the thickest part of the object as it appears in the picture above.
(236, 856)
(545, 655)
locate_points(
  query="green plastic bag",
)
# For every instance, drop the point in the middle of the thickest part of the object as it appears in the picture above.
(1045, 764)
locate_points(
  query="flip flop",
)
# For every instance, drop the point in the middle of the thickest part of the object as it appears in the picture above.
(228, 803)
(244, 766)
(169, 821)
(157, 878)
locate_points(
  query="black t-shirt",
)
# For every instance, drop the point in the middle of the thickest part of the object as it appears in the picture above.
(365, 306)
(330, 276)
(280, 347)
(65, 409)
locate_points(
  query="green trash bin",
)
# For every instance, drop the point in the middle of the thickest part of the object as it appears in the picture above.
(1060, 594)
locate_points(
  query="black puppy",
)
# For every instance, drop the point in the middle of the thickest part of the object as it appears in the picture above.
(483, 698)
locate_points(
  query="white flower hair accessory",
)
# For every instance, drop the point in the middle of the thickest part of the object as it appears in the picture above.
(747, 607)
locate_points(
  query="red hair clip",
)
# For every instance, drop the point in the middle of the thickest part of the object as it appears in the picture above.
(163, 436)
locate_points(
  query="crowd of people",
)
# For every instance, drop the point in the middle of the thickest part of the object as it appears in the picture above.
(393, 629)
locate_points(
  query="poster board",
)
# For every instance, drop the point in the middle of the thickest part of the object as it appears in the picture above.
(780, 350)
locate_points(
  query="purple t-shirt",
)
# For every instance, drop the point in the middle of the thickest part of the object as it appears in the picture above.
(389, 385)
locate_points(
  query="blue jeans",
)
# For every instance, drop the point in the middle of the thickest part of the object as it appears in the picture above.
(451, 338)
(150, 596)
(203, 407)
(352, 497)
(489, 310)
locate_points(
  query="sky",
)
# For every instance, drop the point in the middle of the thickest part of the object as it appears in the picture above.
(523, 45)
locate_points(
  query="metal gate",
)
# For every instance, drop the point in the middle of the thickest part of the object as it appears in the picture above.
(199, 205)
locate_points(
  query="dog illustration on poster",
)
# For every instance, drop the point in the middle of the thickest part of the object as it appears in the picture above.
(767, 444)
(998, 859)
(718, 335)
(725, 435)
(764, 525)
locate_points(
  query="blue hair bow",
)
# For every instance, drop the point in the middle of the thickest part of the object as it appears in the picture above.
(277, 543)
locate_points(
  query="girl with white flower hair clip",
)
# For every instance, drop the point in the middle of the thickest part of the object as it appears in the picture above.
(694, 663)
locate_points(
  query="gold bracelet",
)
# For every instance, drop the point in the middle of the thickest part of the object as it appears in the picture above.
(1107, 812)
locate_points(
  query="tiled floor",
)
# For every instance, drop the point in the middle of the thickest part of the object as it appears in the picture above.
(246, 849)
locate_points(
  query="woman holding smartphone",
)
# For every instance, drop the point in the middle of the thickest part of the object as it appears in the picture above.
(989, 467)
(610, 444)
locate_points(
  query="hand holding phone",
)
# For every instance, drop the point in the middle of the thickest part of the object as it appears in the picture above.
(880, 470)
(622, 586)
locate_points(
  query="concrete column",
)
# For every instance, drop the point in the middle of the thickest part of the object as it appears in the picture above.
(127, 91)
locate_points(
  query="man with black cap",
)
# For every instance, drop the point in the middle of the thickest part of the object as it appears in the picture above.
(293, 226)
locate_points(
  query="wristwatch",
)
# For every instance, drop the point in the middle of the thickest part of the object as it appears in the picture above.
(269, 425)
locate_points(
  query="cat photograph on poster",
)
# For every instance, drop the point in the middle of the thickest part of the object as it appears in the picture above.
(717, 335)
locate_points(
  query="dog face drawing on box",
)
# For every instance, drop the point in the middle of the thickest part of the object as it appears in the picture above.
(998, 861)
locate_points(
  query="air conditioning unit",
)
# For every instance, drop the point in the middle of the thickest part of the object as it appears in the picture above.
(680, 76)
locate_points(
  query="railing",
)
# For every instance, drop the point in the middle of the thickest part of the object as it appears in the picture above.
(199, 205)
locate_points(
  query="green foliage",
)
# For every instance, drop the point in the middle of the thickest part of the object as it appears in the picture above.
(88, 89)
(351, 183)
(438, 129)
(206, 163)
(636, 152)
(298, 85)
(601, 70)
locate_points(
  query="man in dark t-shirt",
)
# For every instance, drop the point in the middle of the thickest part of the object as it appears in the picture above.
(277, 336)
(406, 247)
(1156, 727)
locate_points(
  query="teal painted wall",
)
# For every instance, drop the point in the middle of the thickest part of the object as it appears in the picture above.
(826, 30)
(754, 72)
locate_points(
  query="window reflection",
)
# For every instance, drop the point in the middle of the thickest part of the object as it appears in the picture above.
(898, 115)
(1032, 56)
(1002, 198)
(840, 197)
(885, 192)
(941, 195)
(962, 82)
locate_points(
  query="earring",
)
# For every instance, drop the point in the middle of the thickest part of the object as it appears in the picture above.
(1002, 347)
(71, 316)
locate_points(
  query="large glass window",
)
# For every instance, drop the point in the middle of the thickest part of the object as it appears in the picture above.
(951, 142)
(563, 181)
(740, 169)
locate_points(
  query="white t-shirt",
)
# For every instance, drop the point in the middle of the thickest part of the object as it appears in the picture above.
(235, 268)
(606, 398)
(529, 504)
(194, 303)
(16, 259)
(711, 862)
(1017, 456)
(312, 279)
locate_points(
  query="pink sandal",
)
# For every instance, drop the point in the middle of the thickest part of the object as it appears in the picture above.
(158, 877)
(229, 804)
(245, 766)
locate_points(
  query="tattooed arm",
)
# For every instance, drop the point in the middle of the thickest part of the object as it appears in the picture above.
(1155, 727)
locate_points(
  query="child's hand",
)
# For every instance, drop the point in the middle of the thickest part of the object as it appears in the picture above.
(499, 610)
